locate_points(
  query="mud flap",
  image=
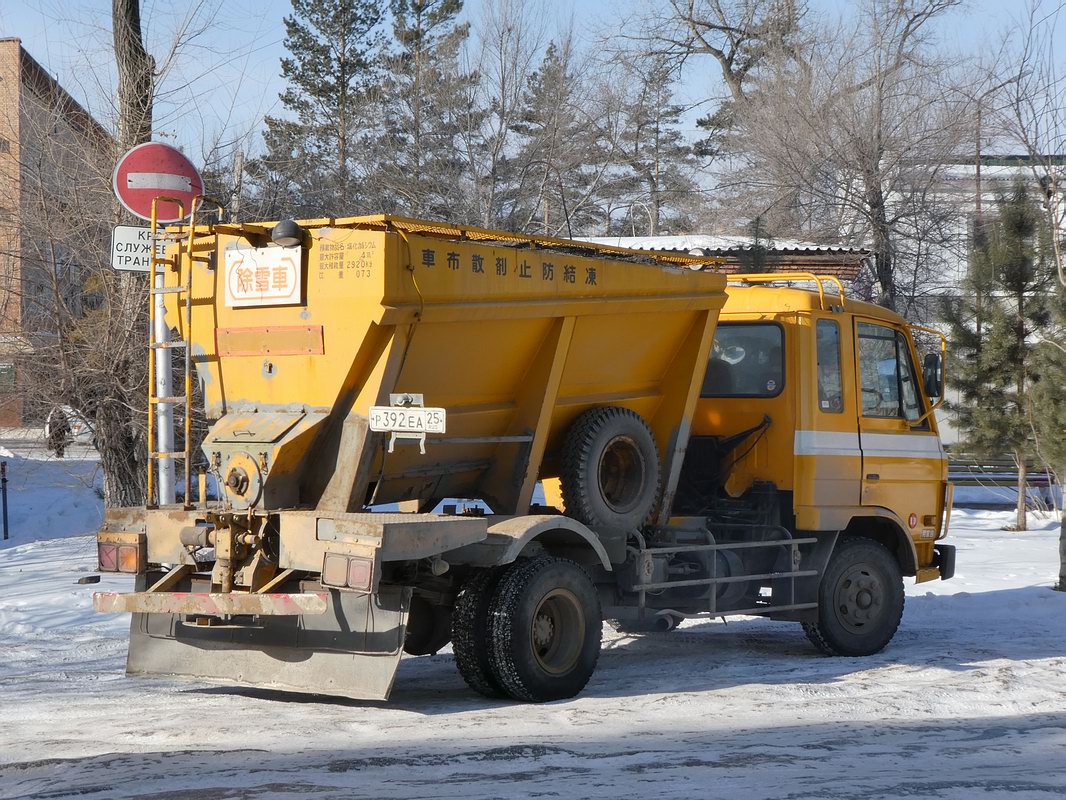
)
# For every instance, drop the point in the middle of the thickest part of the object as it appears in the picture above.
(352, 650)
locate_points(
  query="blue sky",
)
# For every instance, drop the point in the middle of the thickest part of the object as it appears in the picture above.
(234, 66)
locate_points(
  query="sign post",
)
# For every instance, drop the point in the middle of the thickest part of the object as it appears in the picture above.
(147, 172)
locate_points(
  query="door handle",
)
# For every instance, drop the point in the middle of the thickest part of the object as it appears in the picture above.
(873, 476)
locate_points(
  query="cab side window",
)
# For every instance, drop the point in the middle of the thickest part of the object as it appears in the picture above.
(747, 360)
(887, 377)
(830, 387)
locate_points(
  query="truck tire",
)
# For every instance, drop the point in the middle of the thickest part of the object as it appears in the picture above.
(470, 632)
(610, 469)
(860, 600)
(546, 625)
(429, 628)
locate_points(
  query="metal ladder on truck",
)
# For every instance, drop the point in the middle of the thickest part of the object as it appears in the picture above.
(162, 343)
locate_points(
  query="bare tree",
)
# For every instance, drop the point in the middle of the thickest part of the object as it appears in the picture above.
(511, 35)
(853, 142)
(737, 34)
(84, 324)
(1033, 114)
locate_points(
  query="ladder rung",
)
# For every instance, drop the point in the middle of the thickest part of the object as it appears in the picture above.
(168, 345)
(167, 289)
(173, 400)
(168, 454)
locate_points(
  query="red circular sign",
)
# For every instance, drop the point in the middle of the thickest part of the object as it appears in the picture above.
(913, 520)
(153, 170)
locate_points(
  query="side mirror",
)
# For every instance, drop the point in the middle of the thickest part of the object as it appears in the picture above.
(933, 375)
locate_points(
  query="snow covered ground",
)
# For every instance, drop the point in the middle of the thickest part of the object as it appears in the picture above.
(969, 701)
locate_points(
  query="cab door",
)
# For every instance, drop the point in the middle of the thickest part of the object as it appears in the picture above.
(902, 459)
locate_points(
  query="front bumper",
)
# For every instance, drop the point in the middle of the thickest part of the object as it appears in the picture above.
(944, 560)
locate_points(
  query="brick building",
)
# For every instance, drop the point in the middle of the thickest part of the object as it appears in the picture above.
(48, 142)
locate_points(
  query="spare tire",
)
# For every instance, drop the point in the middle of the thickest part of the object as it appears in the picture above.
(610, 469)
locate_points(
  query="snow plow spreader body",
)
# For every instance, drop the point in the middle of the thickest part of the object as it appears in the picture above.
(388, 361)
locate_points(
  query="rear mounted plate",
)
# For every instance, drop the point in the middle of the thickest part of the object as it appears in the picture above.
(352, 650)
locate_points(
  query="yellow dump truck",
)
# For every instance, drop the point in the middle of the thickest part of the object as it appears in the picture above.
(388, 397)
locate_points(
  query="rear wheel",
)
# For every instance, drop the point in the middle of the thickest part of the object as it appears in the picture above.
(860, 600)
(470, 632)
(546, 626)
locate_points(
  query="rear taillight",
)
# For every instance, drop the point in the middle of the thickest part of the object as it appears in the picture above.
(108, 557)
(129, 558)
(121, 552)
(347, 572)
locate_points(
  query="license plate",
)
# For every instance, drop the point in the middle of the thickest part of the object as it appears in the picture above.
(392, 419)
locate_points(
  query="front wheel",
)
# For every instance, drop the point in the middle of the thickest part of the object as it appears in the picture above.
(545, 625)
(860, 600)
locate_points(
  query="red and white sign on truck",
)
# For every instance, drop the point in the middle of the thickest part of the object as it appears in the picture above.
(152, 170)
(263, 276)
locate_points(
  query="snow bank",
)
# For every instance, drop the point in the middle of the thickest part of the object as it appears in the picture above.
(52, 498)
(967, 702)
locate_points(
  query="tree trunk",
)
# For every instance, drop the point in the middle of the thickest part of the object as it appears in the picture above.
(136, 74)
(1061, 585)
(882, 242)
(1019, 524)
(123, 458)
(119, 427)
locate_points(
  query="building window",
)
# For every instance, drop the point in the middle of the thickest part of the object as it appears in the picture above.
(5, 145)
(7, 377)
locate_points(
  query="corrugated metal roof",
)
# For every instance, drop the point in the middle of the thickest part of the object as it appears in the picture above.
(720, 244)
(739, 253)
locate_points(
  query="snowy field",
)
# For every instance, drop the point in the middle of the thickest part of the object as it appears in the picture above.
(969, 700)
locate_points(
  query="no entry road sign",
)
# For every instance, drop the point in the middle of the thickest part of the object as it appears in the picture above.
(153, 170)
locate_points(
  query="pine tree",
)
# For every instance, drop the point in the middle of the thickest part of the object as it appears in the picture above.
(425, 97)
(1049, 400)
(331, 69)
(996, 330)
(554, 176)
(660, 162)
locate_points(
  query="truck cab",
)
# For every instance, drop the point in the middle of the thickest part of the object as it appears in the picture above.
(841, 423)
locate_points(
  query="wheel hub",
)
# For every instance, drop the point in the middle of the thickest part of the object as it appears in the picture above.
(543, 630)
(859, 598)
(557, 631)
(621, 474)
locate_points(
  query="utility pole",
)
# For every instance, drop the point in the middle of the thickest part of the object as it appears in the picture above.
(238, 186)
(977, 232)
